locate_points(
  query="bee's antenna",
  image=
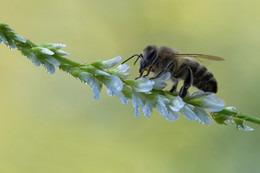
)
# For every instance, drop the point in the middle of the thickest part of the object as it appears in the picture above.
(139, 56)
(130, 58)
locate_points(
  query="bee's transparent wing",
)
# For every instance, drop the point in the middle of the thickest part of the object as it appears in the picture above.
(210, 57)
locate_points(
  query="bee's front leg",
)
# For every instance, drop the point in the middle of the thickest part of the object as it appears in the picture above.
(148, 72)
(141, 74)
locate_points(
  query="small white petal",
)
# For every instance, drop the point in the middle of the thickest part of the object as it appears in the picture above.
(176, 104)
(101, 73)
(110, 93)
(46, 51)
(161, 106)
(122, 70)
(33, 58)
(187, 112)
(58, 46)
(202, 116)
(49, 67)
(135, 105)
(173, 116)
(53, 61)
(122, 98)
(147, 108)
(231, 109)
(62, 53)
(143, 85)
(93, 84)
(159, 83)
(110, 63)
(112, 82)
(199, 93)
(19, 38)
(212, 103)
(137, 99)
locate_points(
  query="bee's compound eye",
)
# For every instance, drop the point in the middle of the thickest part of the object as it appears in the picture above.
(151, 54)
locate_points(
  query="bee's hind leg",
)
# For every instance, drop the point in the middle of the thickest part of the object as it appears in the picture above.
(187, 83)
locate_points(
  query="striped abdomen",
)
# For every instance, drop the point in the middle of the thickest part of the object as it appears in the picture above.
(203, 79)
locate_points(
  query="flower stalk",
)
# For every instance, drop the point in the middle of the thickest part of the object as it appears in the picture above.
(144, 93)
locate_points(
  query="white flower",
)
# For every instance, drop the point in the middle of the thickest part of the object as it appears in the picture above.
(112, 82)
(33, 58)
(120, 95)
(149, 102)
(202, 116)
(46, 51)
(162, 101)
(176, 104)
(173, 115)
(122, 70)
(143, 85)
(209, 101)
(58, 45)
(110, 63)
(188, 113)
(147, 108)
(159, 83)
(52, 60)
(213, 103)
(94, 84)
(62, 53)
(230, 108)
(191, 112)
(137, 99)
(49, 67)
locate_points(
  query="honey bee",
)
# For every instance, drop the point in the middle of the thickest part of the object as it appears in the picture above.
(160, 60)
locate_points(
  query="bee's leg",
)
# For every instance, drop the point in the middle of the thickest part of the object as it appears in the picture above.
(148, 72)
(141, 74)
(174, 86)
(150, 68)
(164, 71)
(187, 83)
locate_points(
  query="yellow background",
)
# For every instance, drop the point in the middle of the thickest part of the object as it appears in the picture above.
(51, 124)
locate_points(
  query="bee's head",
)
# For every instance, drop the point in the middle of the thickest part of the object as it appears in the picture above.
(148, 56)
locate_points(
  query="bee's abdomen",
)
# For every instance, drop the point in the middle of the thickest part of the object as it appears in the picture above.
(204, 80)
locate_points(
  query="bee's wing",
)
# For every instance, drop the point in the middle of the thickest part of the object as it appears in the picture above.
(210, 57)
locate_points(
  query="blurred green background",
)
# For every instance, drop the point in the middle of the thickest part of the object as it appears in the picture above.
(52, 124)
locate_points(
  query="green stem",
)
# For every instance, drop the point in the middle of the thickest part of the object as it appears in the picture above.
(240, 115)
